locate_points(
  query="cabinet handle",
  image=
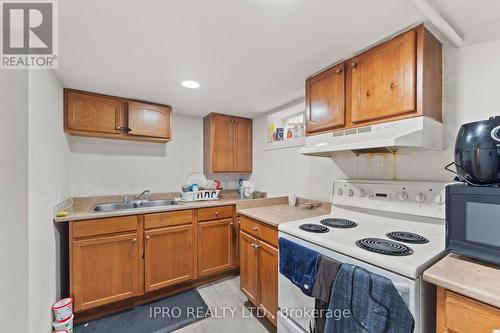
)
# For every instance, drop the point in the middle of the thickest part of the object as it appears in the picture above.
(252, 245)
(354, 64)
(148, 237)
(368, 93)
(231, 223)
(254, 228)
(216, 213)
(338, 71)
(393, 85)
(257, 246)
(123, 129)
(134, 240)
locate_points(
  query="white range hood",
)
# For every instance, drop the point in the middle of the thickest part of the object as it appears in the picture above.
(419, 133)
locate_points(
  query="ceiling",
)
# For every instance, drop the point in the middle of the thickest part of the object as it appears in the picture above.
(249, 56)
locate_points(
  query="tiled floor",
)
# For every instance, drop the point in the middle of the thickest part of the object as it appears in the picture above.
(226, 296)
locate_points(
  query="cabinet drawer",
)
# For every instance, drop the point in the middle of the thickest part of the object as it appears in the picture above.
(265, 233)
(213, 213)
(467, 315)
(158, 220)
(104, 226)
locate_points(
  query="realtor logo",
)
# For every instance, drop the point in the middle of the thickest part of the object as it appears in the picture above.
(29, 34)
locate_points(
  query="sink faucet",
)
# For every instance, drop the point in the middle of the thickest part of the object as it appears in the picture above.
(144, 193)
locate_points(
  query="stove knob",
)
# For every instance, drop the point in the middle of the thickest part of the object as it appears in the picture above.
(351, 192)
(420, 197)
(438, 199)
(403, 196)
(340, 192)
(362, 193)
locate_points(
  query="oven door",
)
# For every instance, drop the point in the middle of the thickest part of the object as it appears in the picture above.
(296, 308)
(473, 221)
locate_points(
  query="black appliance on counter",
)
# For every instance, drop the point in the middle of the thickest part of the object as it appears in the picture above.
(473, 205)
(473, 221)
(477, 152)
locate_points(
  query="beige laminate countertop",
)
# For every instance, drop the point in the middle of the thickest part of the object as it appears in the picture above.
(277, 214)
(80, 208)
(468, 277)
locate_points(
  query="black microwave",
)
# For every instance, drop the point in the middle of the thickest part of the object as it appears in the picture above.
(473, 221)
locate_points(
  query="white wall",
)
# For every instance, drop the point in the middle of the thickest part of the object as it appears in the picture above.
(101, 166)
(14, 200)
(471, 89)
(48, 185)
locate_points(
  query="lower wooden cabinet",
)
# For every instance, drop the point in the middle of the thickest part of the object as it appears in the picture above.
(105, 270)
(120, 258)
(248, 267)
(459, 314)
(267, 268)
(167, 254)
(215, 246)
(259, 266)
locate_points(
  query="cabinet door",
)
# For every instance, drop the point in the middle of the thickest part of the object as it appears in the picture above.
(93, 113)
(105, 270)
(267, 264)
(149, 120)
(248, 267)
(168, 253)
(325, 100)
(243, 145)
(222, 143)
(215, 246)
(384, 80)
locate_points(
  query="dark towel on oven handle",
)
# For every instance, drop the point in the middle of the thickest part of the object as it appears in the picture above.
(327, 269)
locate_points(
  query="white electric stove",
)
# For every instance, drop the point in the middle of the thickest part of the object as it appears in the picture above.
(392, 228)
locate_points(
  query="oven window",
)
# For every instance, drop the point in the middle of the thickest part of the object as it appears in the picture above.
(483, 223)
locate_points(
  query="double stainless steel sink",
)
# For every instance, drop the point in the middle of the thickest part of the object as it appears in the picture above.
(111, 207)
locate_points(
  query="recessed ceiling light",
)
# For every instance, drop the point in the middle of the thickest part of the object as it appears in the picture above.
(190, 84)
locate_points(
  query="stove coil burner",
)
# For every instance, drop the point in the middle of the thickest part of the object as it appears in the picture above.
(384, 246)
(339, 223)
(407, 237)
(314, 228)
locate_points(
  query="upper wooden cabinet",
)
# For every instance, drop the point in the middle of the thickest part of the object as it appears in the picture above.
(227, 144)
(325, 109)
(149, 120)
(383, 80)
(89, 114)
(93, 113)
(397, 79)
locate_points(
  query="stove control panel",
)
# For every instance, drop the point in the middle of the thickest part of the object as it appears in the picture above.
(407, 197)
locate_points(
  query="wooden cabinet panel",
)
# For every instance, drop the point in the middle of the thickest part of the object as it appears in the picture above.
(169, 256)
(149, 120)
(227, 144)
(384, 80)
(93, 113)
(243, 145)
(325, 100)
(101, 227)
(268, 280)
(104, 270)
(223, 147)
(460, 314)
(248, 267)
(168, 219)
(395, 80)
(259, 230)
(215, 246)
(96, 115)
(213, 213)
